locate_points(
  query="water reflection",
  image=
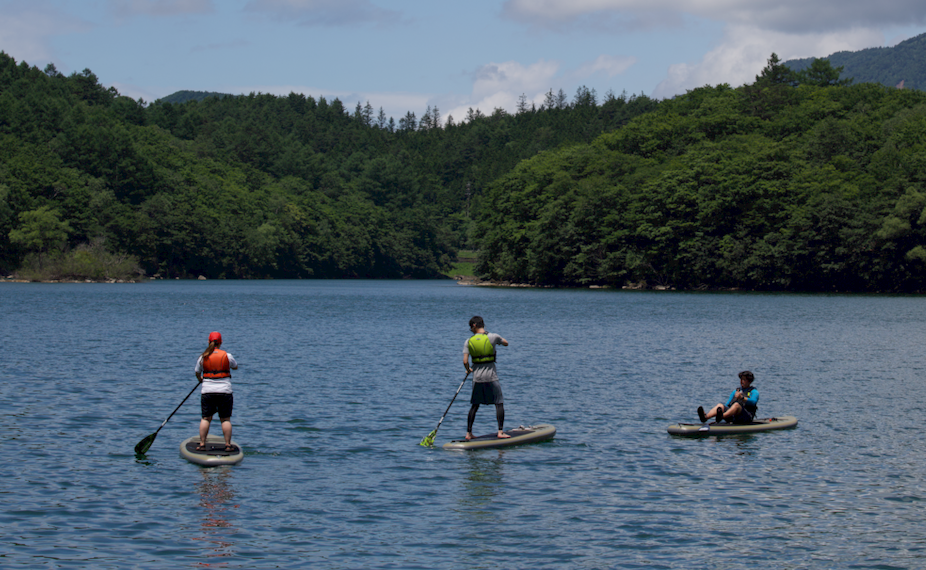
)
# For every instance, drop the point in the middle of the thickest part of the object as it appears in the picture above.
(740, 444)
(483, 484)
(216, 496)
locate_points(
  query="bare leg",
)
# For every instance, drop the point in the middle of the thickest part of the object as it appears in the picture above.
(227, 430)
(731, 412)
(204, 430)
(716, 412)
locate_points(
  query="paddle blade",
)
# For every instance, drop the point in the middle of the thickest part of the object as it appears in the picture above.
(428, 440)
(145, 444)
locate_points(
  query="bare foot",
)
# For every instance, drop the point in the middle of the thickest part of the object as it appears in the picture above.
(502, 435)
(469, 436)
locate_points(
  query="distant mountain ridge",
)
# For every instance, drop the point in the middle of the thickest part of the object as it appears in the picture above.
(903, 65)
(185, 96)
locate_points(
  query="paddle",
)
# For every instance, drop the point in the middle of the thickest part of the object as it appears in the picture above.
(428, 441)
(145, 444)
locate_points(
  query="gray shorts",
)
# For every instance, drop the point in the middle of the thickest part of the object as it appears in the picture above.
(487, 393)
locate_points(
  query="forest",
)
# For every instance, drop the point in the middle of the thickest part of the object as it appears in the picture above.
(793, 183)
(799, 181)
(899, 65)
(256, 186)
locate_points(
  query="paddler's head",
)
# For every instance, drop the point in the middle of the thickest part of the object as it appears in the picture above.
(746, 379)
(476, 323)
(215, 338)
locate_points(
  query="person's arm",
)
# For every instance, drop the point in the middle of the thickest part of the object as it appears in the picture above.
(198, 370)
(753, 398)
(232, 363)
(731, 399)
(466, 362)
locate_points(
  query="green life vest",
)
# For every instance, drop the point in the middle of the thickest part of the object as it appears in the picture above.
(481, 349)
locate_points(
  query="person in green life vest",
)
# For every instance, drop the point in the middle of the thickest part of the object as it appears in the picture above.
(741, 406)
(486, 390)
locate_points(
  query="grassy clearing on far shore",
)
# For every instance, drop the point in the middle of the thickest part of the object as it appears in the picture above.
(465, 264)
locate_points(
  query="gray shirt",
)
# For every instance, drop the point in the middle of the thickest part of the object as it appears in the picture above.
(484, 372)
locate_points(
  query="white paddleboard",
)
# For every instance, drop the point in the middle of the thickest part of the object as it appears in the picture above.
(214, 454)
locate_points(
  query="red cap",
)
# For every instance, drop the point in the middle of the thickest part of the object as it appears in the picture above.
(215, 336)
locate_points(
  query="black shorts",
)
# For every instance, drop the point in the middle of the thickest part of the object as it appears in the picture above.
(221, 403)
(487, 393)
(743, 417)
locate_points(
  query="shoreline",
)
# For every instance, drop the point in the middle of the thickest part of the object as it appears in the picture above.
(472, 281)
(11, 279)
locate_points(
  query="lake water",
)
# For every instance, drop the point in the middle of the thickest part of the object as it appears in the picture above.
(340, 380)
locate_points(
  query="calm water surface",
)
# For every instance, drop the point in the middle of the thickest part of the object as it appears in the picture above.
(340, 380)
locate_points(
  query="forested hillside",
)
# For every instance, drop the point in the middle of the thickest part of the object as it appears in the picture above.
(796, 182)
(889, 66)
(818, 187)
(181, 97)
(258, 185)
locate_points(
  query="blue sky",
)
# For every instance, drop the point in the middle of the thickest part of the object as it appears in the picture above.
(450, 54)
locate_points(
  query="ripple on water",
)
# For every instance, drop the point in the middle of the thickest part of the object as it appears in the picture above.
(330, 411)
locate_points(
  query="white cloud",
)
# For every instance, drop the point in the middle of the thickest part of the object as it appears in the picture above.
(500, 85)
(131, 8)
(495, 85)
(25, 33)
(745, 50)
(324, 12)
(608, 64)
(394, 104)
(781, 15)
(511, 76)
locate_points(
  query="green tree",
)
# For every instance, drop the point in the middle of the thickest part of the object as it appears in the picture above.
(822, 74)
(40, 231)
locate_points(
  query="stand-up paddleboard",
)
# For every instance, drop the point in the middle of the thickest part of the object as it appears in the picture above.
(520, 435)
(767, 424)
(214, 454)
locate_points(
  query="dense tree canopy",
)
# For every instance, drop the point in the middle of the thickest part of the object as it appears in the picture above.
(768, 186)
(794, 182)
(258, 185)
(899, 65)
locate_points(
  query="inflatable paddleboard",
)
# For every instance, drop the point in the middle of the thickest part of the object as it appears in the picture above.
(781, 422)
(214, 454)
(520, 435)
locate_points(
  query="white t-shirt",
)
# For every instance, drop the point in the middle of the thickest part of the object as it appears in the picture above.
(484, 372)
(216, 385)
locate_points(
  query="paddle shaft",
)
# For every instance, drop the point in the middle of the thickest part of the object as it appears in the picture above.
(144, 445)
(178, 407)
(451, 402)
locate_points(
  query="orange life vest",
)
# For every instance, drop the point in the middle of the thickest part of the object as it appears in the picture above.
(216, 365)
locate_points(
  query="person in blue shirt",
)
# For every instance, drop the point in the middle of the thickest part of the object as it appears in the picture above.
(741, 405)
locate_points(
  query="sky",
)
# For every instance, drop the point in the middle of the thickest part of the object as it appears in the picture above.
(451, 55)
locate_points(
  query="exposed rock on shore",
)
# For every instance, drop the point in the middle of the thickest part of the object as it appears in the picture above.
(476, 281)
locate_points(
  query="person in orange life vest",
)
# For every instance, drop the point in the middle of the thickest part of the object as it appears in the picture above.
(486, 389)
(213, 370)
